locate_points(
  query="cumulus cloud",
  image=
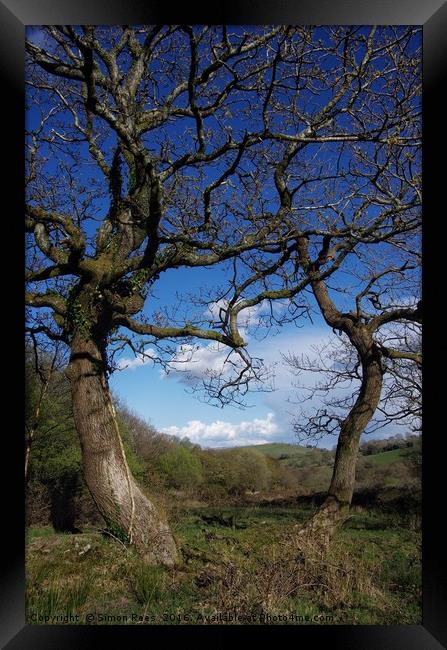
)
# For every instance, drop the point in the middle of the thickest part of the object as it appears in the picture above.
(194, 362)
(140, 359)
(226, 434)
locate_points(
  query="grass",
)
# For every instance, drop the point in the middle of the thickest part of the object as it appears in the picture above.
(254, 570)
(45, 531)
(278, 449)
(298, 456)
(294, 455)
(386, 457)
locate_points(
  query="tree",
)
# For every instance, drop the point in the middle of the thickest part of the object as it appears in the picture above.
(269, 153)
(42, 376)
(369, 378)
(109, 96)
(56, 491)
(52, 454)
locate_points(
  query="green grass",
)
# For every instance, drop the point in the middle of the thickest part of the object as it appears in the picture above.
(386, 457)
(254, 569)
(277, 449)
(44, 531)
(297, 455)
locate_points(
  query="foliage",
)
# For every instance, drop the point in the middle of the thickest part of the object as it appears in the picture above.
(370, 447)
(181, 467)
(56, 490)
(249, 471)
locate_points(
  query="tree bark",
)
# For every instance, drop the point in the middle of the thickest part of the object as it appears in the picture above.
(128, 513)
(335, 508)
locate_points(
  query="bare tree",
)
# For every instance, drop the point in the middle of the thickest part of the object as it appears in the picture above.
(274, 154)
(336, 369)
(368, 377)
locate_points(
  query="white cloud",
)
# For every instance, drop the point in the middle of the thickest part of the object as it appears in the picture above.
(226, 434)
(193, 362)
(140, 359)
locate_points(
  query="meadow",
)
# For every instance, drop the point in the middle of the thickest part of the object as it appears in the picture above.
(239, 565)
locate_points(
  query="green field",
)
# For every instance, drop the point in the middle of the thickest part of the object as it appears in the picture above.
(278, 449)
(386, 457)
(294, 455)
(252, 568)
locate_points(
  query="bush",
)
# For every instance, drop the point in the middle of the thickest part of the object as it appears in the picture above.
(247, 470)
(181, 467)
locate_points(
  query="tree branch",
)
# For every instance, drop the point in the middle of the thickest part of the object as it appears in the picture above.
(188, 330)
(52, 300)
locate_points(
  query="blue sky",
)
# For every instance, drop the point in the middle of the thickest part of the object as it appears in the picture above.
(166, 400)
(169, 404)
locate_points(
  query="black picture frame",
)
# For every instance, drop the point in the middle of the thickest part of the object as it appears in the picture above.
(15, 15)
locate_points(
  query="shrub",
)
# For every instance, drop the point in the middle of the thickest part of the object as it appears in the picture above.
(181, 467)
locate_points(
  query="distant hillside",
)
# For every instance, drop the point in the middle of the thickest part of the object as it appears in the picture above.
(313, 466)
(294, 455)
(278, 449)
(377, 452)
(387, 457)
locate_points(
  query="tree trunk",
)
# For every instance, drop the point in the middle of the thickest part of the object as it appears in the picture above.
(129, 514)
(335, 509)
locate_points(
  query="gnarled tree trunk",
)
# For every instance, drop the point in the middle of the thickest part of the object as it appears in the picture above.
(335, 508)
(129, 514)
